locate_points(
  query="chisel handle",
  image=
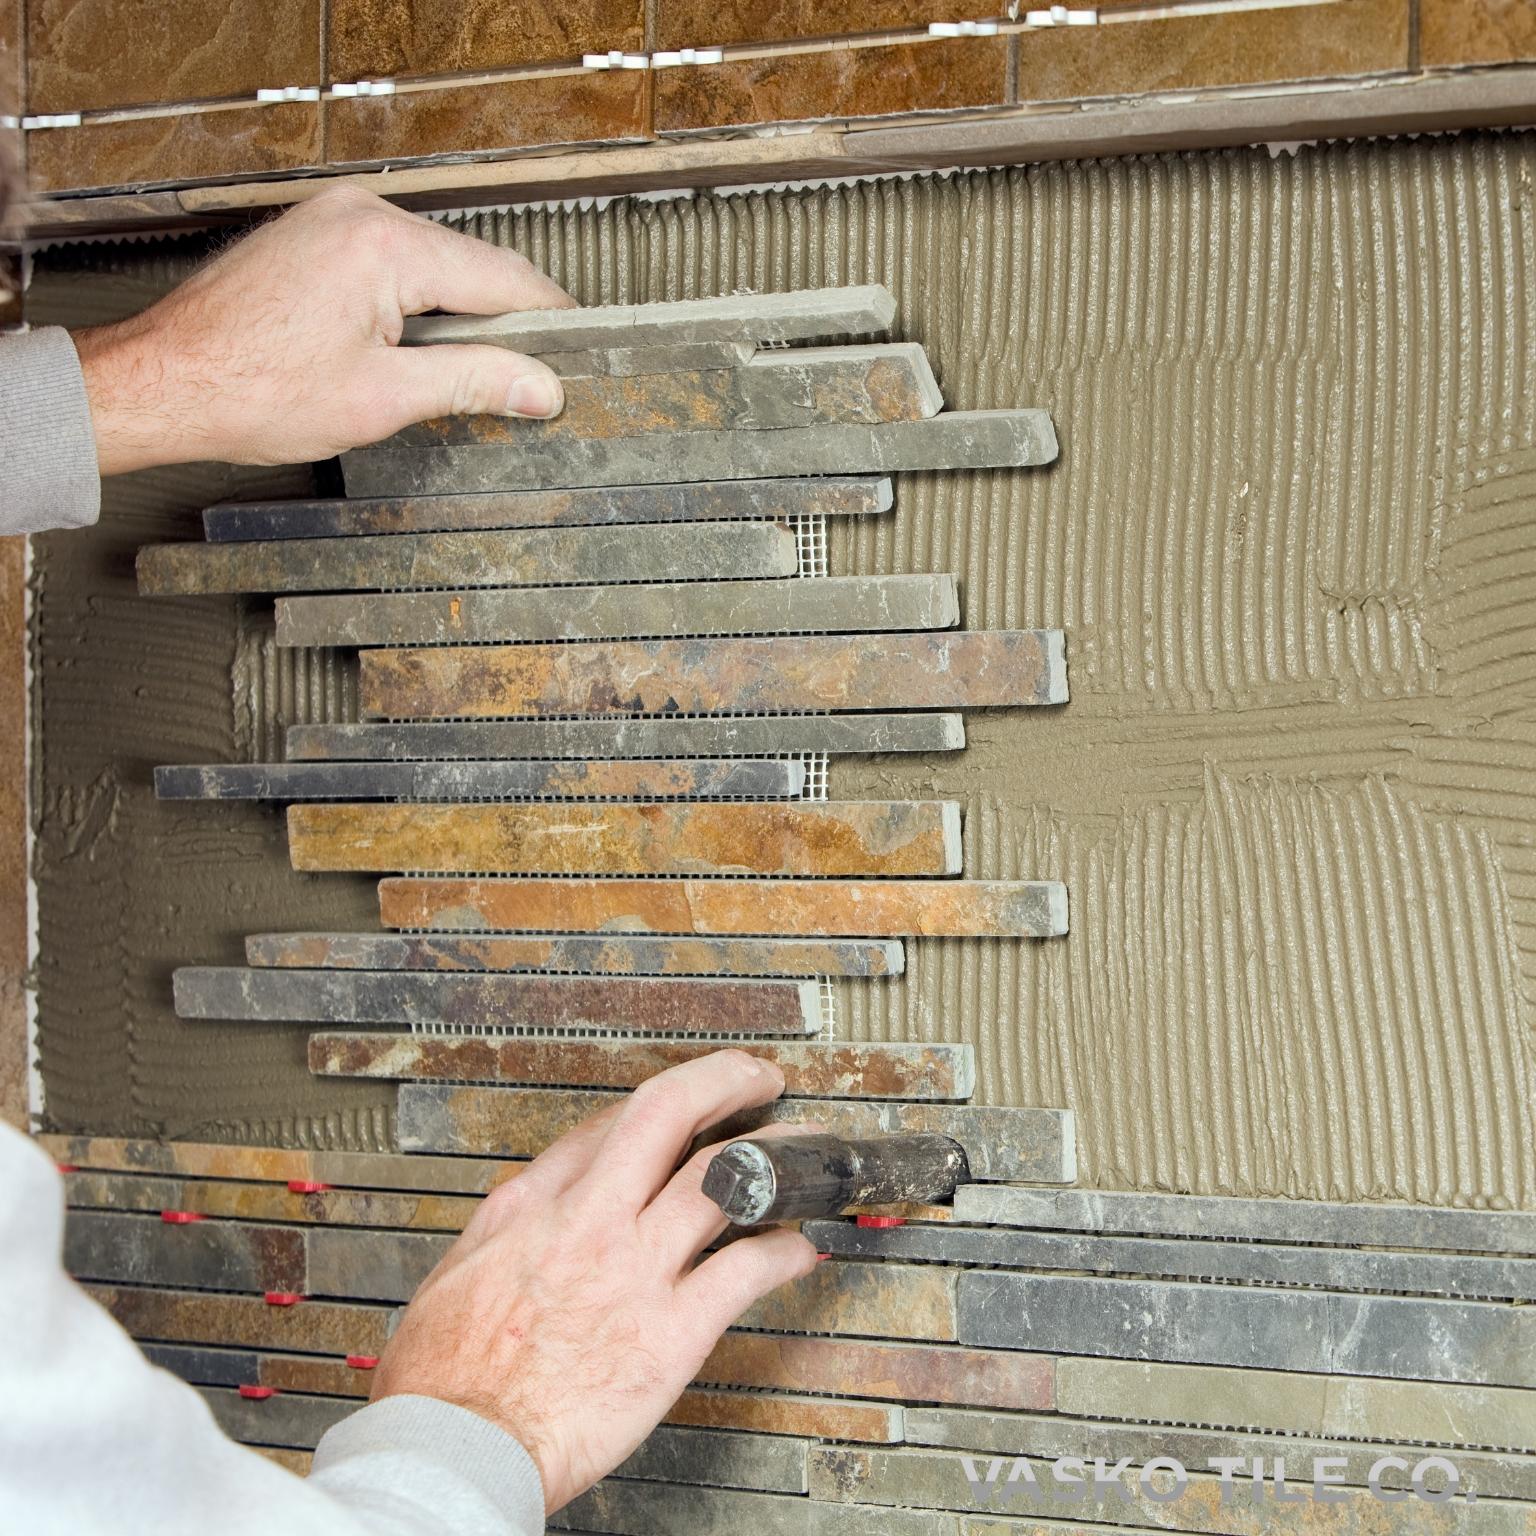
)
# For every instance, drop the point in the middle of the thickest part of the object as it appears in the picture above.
(792, 1178)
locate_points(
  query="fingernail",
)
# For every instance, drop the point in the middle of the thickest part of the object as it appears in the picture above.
(533, 396)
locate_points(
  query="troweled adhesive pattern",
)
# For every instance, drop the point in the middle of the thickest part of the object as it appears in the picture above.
(1289, 536)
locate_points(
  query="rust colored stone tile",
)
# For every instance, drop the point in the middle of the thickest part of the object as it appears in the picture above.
(194, 146)
(890, 382)
(979, 1378)
(955, 670)
(834, 83)
(370, 38)
(327, 1378)
(851, 908)
(1476, 31)
(698, 23)
(269, 1202)
(195, 1317)
(853, 838)
(878, 1301)
(1236, 48)
(810, 1070)
(11, 92)
(211, 1160)
(768, 1414)
(297, 1462)
(85, 54)
(515, 114)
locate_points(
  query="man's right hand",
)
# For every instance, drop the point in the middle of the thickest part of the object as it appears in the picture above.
(572, 1311)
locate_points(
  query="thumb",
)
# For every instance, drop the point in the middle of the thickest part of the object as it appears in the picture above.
(472, 381)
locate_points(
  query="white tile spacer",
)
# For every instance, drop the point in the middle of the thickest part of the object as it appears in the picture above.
(962, 29)
(344, 88)
(687, 56)
(52, 120)
(8, 122)
(289, 93)
(615, 60)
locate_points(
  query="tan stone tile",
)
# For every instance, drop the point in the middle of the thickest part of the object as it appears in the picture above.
(1355, 37)
(191, 146)
(370, 38)
(554, 109)
(834, 83)
(1476, 31)
(702, 23)
(83, 54)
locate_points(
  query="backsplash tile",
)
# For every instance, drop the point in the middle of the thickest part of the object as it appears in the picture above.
(544, 109)
(373, 38)
(834, 83)
(88, 54)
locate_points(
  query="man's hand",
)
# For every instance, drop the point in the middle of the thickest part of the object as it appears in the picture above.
(571, 1311)
(283, 349)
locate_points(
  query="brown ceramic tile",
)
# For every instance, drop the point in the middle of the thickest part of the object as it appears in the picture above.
(373, 38)
(703, 23)
(833, 83)
(1476, 31)
(10, 57)
(13, 837)
(192, 146)
(1353, 37)
(83, 54)
(552, 109)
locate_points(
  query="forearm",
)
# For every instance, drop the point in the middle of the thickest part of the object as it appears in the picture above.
(48, 469)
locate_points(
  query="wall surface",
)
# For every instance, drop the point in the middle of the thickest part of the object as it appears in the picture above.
(176, 101)
(1288, 537)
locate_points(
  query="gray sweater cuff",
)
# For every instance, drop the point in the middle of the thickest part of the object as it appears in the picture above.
(413, 1431)
(48, 476)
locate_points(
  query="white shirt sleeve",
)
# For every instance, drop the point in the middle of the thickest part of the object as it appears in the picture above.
(48, 475)
(95, 1440)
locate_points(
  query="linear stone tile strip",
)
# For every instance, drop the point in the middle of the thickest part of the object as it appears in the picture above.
(720, 1459)
(959, 670)
(922, 1373)
(629, 1508)
(811, 1069)
(297, 1462)
(345, 1170)
(1000, 909)
(1288, 1402)
(535, 557)
(247, 1322)
(287, 1419)
(131, 1249)
(882, 382)
(1001, 439)
(700, 779)
(652, 1005)
(615, 955)
(307, 1373)
(626, 362)
(1048, 1436)
(206, 1367)
(1484, 1343)
(723, 736)
(948, 1480)
(833, 838)
(1432, 1274)
(706, 501)
(804, 316)
(442, 1117)
(92, 1189)
(346, 1264)
(834, 604)
(1268, 1221)
(770, 1413)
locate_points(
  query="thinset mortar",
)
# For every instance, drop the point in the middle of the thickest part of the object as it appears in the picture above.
(1291, 536)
